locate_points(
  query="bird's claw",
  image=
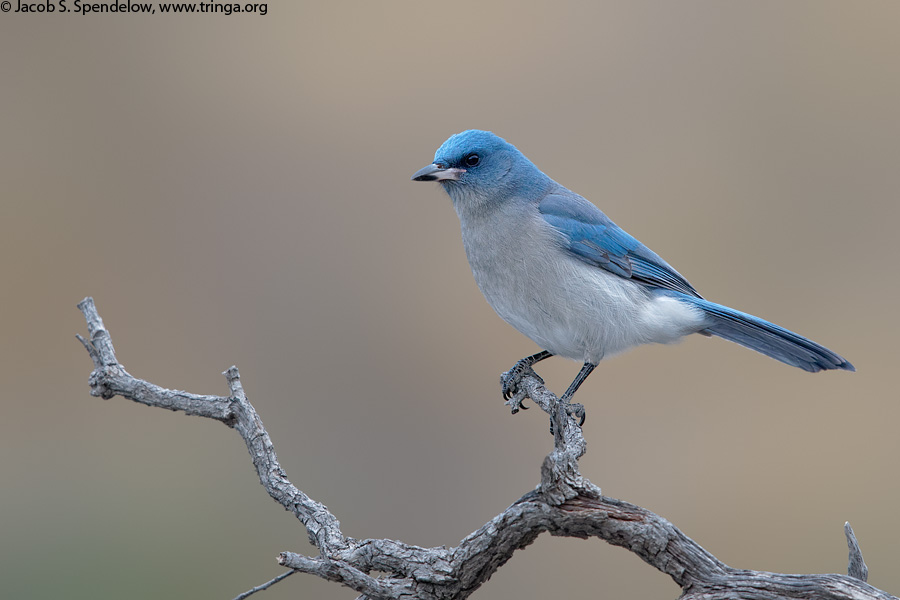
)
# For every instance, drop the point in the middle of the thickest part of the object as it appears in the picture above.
(573, 409)
(517, 402)
(576, 411)
(509, 381)
(509, 385)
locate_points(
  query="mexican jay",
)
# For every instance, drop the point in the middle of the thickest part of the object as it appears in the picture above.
(556, 268)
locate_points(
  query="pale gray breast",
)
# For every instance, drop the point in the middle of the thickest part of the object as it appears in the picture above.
(512, 266)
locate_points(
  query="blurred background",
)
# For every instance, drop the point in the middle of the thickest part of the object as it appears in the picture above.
(235, 190)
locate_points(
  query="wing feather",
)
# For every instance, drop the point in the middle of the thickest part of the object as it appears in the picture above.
(592, 237)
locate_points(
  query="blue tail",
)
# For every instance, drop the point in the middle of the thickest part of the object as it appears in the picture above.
(767, 338)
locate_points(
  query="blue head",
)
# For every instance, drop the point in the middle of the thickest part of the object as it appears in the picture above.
(480, 167)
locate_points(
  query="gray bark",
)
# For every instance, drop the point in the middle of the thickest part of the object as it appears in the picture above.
(563, 504)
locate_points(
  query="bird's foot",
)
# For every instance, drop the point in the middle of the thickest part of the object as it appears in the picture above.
(509, 381)
(509, 385)
(574, 410)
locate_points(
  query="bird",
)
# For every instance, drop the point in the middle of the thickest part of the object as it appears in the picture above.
(556, 268)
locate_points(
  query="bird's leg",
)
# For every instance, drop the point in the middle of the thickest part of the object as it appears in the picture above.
(577, 410)
(510, 380)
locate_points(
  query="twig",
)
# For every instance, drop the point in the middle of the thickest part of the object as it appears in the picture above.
(339, 571)
(265, 586)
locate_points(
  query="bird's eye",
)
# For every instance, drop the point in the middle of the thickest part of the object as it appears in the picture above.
(472, 160)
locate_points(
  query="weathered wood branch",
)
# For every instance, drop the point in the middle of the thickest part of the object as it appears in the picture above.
(564, 504)
(856, 566)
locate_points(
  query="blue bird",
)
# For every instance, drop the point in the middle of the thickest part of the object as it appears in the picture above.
(556, 268)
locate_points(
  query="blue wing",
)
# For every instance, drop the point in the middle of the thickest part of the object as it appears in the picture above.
(593, 238)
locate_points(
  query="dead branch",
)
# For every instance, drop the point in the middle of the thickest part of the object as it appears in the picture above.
(564, 504)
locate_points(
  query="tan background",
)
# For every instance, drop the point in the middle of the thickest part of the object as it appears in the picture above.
(235, 190)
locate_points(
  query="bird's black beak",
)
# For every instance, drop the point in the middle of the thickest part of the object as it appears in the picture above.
(437, 172)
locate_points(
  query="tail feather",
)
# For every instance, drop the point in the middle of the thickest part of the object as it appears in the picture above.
(767, 338)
